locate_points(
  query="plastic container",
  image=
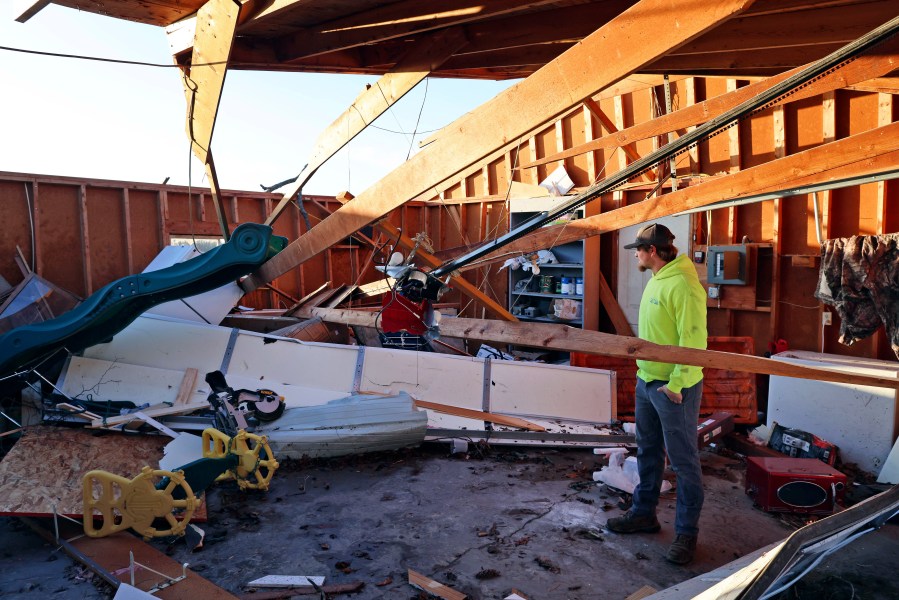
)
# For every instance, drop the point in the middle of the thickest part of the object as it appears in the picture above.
(567, 286)
(579, 286)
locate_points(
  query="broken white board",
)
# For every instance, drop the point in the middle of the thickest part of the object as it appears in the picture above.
(127, 592)
(104, 380)
(208, 307)
(445, 379)
(890, 471)
(313, 374)
(183, 450)
(534, 389)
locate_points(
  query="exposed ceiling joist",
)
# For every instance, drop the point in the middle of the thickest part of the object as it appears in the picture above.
(869, 152)
(391, 21)
(883, 59)
(542, 96)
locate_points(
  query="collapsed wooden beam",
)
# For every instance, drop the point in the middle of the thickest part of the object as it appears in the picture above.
(883, 59)
(865, 153)
(203, 83)
(550, 91)
(372, 103)
(459, 282)
(570, 339)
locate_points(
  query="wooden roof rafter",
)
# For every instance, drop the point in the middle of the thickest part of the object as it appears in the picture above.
(544, 95)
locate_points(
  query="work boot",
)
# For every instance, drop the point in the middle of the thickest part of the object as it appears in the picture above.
(631, 523)
(682, 549)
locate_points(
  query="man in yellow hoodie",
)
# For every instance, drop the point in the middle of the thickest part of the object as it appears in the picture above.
(672, 313)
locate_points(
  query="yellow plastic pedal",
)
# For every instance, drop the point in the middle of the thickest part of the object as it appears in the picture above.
(135, 503)
(252, 472)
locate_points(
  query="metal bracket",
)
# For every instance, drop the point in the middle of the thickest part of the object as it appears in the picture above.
(357, 374)
(226, 359)
(485, 391)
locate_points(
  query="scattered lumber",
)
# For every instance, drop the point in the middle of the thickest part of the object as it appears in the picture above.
(435, 588)
(563, 337)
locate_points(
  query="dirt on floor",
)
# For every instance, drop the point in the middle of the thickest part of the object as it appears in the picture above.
(484, 523)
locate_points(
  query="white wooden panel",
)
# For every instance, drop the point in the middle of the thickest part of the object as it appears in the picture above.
(106, 380)
(166, 344)
(453, 380)
(569, 393)
(859, 419)
(275, 360)
(208, 307)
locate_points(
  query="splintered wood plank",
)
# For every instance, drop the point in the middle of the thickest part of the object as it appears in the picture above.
(479, 415)
(643, 592)
(435, 588)
(44, 469)
(216, 23)
(112, 554)
(546, 94)
(187, 386)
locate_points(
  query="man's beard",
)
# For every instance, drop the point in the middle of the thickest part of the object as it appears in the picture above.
(642, 268)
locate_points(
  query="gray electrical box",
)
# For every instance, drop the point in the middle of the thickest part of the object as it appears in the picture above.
(727, 265)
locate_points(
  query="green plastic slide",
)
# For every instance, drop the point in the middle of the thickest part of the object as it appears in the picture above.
(117, 305)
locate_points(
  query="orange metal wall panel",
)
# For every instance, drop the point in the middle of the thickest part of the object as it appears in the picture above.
(16, 229)
(59, 232)
(146, 234)
(108, 247)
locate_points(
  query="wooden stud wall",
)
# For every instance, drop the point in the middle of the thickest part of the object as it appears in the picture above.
(88, 233)
(782, 305)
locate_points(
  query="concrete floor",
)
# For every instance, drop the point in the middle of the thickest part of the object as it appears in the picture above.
(509, 518)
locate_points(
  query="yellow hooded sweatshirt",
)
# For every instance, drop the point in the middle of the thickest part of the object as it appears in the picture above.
(673, 313)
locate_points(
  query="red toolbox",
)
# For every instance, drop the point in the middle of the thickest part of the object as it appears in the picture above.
(795, 485)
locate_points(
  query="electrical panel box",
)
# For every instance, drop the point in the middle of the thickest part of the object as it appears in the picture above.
(727, 265)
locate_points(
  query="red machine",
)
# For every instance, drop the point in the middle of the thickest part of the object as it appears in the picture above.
(795, 485)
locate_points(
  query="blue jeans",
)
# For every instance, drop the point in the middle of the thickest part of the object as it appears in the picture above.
(663, 426)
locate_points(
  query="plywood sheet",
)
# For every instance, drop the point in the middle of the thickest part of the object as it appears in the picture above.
(278, 360)
(44, 469)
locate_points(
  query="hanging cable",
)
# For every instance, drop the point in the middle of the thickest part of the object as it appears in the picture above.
(418, 120)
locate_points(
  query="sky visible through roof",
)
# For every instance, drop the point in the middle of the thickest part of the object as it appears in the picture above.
(95, 119)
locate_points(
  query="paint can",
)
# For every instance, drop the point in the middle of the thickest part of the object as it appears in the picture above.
(547, 284)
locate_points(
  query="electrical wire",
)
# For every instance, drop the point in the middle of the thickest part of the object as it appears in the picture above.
(418, 120)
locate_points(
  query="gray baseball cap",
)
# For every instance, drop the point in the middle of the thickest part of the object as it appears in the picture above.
(653, 235)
